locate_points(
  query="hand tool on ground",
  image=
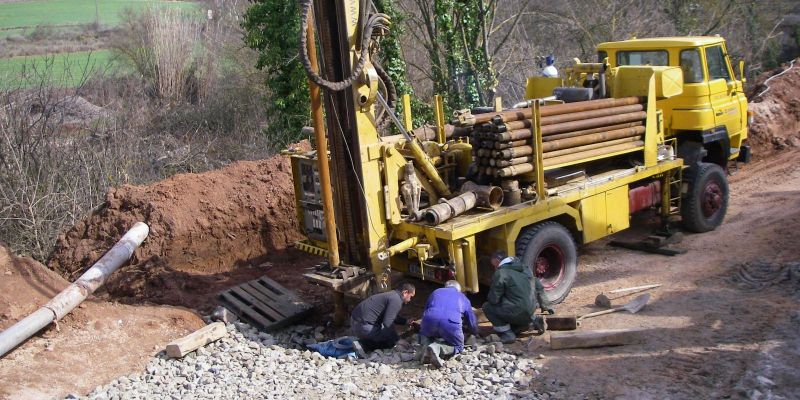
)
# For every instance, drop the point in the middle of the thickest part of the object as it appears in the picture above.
(632, 307)
(604, 301)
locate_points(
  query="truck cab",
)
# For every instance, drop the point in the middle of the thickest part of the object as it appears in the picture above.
(709, 119)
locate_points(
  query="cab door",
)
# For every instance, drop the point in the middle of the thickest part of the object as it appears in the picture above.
(723, 90)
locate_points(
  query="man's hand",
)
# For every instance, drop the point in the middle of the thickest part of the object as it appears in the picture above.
(548, 311)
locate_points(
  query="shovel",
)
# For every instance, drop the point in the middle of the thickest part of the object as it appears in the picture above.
(632, 307)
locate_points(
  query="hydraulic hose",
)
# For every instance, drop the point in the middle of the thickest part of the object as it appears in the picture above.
(379, 20)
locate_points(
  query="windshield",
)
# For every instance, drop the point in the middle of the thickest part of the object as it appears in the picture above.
(648, 57)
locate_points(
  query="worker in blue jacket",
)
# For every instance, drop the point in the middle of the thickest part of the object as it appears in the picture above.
(442, 319)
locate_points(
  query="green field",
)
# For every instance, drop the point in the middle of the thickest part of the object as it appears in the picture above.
(62, 70)
(18, 18)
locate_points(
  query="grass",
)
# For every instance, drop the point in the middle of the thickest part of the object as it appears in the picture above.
(18, 18)
(62, 70)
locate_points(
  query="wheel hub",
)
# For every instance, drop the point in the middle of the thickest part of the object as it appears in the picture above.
(549, 266)
(712, 199)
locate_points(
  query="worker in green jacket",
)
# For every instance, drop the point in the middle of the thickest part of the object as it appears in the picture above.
(511, 301)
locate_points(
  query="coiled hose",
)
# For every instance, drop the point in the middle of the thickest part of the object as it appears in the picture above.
(378, 20)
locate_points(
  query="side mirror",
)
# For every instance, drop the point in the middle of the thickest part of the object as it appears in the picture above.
(741, 71)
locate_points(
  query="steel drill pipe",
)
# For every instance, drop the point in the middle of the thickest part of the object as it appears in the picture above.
(518, 134)
(510, 126)
(515, 170)
(566, 108)
(556, 109)
(520, 169)
(571, 150)
(549, 138)
(513, 161)
(592, 138)
(593, 123)
(506, 145)
(592, 153)
(603, 112)
(514, 152)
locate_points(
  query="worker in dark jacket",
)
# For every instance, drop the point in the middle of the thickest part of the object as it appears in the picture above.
(372, 321)
(510, 305)
(443, 318)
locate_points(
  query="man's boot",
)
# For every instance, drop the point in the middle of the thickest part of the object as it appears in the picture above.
(434, 355)
(508, 337)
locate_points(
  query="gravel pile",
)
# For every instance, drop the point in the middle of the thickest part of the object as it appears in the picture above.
(248, 364)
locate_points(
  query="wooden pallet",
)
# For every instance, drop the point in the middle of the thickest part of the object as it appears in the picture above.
(265, 304)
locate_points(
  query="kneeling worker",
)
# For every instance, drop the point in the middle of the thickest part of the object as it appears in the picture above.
(372, 321)
(510, 305)
(443, 319)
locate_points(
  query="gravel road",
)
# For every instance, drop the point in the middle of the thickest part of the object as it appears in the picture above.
(251, 364)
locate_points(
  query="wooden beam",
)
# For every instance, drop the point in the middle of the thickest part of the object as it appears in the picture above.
(595, 338)
(196, 339)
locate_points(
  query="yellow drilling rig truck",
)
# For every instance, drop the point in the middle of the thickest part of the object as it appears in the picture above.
(651, 125)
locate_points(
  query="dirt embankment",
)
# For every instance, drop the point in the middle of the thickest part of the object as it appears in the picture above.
(206, 231)
(775, 103)
(96, 342)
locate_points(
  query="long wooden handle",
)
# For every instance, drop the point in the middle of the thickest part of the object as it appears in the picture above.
(635, 288)
(594, 314)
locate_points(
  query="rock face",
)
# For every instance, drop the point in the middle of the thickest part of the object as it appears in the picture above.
(775, 103)
(249, 364)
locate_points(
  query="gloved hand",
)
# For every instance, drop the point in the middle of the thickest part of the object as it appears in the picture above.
(548, 311)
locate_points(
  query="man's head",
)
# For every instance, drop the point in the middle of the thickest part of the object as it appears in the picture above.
(407, 291)
(496, 257)
(453, 284)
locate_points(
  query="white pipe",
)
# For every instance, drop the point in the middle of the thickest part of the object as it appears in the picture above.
(76, 292)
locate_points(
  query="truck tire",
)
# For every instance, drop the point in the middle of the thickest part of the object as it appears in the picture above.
(547, 248)
(704, 206)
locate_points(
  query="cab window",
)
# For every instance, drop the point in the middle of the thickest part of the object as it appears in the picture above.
(601, 55)
(717, 67)
(692, 66)
(649, 57)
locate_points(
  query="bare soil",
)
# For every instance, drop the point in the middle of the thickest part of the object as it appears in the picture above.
(708, 335)
(207, 232)
(96, 343)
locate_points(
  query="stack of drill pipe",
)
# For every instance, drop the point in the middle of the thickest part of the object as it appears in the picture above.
(570, 132)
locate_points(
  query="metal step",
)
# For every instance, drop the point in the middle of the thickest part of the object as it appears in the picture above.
(265, 304)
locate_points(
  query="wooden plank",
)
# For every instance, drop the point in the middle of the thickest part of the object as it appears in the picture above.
(244, 310)
(595, 338)
(257, 304)
(197, 339)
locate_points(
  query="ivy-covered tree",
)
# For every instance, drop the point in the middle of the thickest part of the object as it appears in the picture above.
(273, 28)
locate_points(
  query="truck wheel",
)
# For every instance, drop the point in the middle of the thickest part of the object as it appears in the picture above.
(547, 248)
(706, 201)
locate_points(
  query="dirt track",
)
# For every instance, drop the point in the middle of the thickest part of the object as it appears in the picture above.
(706, 337)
